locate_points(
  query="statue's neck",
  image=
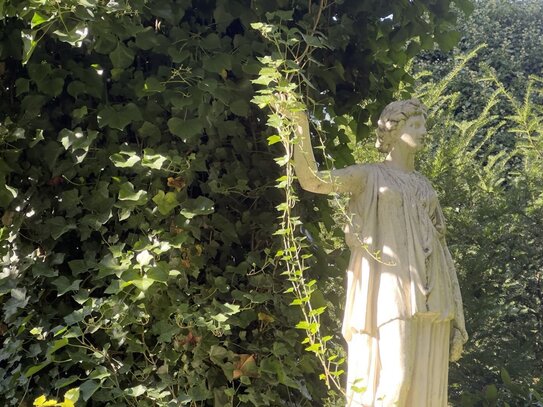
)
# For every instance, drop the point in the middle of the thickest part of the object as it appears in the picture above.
(401, 160)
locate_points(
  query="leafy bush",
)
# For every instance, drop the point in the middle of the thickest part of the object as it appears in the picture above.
(138, 192)
(490, 196)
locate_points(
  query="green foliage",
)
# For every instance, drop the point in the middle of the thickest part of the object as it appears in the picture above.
(488, 194)
(516, 53)
(513, 35)
(495, 218)
(137, 192)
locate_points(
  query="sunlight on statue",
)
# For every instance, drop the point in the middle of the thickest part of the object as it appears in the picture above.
(403, 315)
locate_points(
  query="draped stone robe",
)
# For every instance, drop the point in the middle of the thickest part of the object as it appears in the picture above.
(400, 268)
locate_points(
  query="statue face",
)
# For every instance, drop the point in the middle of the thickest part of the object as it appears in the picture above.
(411, 135)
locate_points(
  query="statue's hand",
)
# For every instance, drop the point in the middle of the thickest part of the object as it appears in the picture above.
(456, 345)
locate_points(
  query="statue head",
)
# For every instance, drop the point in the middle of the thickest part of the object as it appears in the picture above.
(393, 118)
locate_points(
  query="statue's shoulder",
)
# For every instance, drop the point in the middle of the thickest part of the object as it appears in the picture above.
(366, 170)
(371, 169)
(367, 173)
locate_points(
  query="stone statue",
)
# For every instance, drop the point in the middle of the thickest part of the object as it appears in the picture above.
(403, 316)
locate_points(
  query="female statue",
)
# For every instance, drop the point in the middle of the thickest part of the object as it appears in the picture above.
(403, 316)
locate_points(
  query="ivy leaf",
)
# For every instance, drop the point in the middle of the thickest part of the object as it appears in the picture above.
(125, 211)
(68, 137)
(72, 395)
(269, 365)
(122, 56)
(78, 142)
(220, 318)
(80, 113)
(7, 194)
(153, 161)
(165, 202)
(36, 368)
(52, 86)
(160, 273)
(124, 159)
(18, 300)
(100, 372)
(199, 392)
(127, 193)
(105, 43)
(147, 39)
(175, 125)
(245, 366)
(198, 206)
(136, 391)
(88, 388)
(217, 63)
(165, 330)
(185, 129)
(63, 382)
(43, 270)
(64, 285)
(118, 116)
(149, 130)
(218, 354)
(76, 88)
(142, 284)
(178, 183)
(211, 41)
(22, 86)
(144, 258)
(56, 345)
(240, 107)
(73, 36)
(57, 226)
(153, 85)
(232, 308)
(222, 16)
(43, 402)
(29, 44)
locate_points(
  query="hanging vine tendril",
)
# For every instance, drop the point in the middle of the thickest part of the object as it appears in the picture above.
(282, 75)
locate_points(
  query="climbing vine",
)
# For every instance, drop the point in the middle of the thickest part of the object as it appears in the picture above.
(282, 79)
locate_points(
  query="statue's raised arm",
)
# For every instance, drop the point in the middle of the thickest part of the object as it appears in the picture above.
(349, 179)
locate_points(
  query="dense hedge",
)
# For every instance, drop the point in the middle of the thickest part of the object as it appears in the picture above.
(494, 214)
(137, 191)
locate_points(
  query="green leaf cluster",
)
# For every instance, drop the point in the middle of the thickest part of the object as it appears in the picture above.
(137, 194)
